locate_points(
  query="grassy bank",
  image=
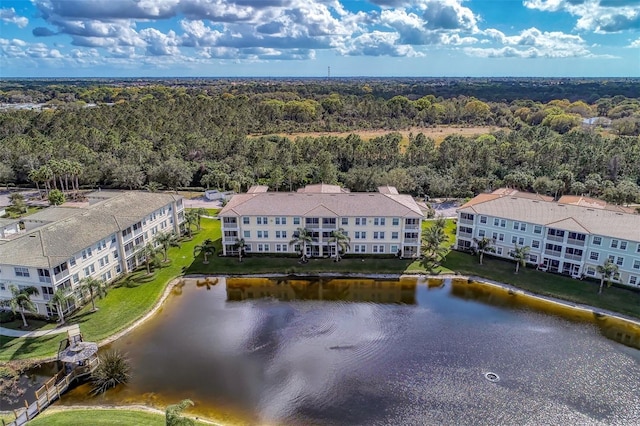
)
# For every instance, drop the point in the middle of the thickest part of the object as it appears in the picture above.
(96, 417)
(125, 303)
(585, 292)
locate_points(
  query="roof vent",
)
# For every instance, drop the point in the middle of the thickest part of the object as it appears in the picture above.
(590, 210)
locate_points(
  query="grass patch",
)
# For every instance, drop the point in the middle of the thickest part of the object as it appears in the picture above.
(34, 324)
(91, 417)
(585, 292)
(125, 303)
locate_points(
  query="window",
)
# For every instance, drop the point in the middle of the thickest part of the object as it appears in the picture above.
(396, 222)
(245, 220)
(76, 278)
(502, 223)
(466, 216)
(89, 270)
(86, 253)
(619, 261)
(636, 264)
(360, 248)
(483, 219)
(497, 237)
(394, 249)
(537, 229)
(533, 258)
(106, 276)
(499, 251)
(378, 235)
(361, 221)
(594, 255)
(591, 270)
(263, 234)
(113, 239)
(21, 272)
(517, 240)
(573, 252)
(378, 249)
(633, 280)
(3, 287)
(612, 258)
(597, 241)
(345, 221)
(465, 230)
(576, 236)
(72, 261)
(518, 226)
(394, 235)
(535, 244)
(361, 235)
(555, 233)
(481, 233)
(379, 221)
(262, 220)
(281, 234)
(281, 220)
(102, 245)
(614, 243)
(296, 221)
(246, 234)
(623, 245)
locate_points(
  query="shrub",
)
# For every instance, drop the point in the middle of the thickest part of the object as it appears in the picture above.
(112, 370)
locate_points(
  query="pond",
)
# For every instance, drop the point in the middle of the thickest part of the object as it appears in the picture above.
(378, 352)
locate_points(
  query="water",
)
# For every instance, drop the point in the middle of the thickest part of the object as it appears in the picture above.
(264, 351)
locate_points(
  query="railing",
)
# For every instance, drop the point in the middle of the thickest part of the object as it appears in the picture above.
(553, 252)
(467, 221)
(411, 227)
(411, 241)
(555, 238)
(51, 391)
(572, 257)
(61, 275)
(44, 279)
(575, 242)
(230, 225)
(329, 226)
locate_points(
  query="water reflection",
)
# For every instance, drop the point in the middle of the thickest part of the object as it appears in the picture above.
(263, 352)
(331, 289)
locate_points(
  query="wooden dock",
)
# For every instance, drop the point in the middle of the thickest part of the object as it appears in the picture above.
(51, 391)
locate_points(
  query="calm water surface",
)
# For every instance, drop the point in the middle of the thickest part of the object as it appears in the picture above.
(265, 351)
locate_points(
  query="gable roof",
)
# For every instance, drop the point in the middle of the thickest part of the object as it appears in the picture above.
(53, 243)
(341, 204)
(562, 216)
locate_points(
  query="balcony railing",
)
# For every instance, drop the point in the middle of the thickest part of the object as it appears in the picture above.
(467, 221)
(553, 253)
(411, 227)
(573, 257)
(44, 279)
(575, 242)
(411, 241)
(555, 238)
(329, 226)
(230, 225)
(62, 275)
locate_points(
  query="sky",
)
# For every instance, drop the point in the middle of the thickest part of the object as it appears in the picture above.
(317, 38)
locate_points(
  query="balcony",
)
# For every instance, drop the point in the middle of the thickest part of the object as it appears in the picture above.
(466, 221)
(573, 257)
(413, 226)
(575, 242)
(230, 240)
(411, 241)
(230, 225)
(555, 238)
(329, 226)
(62, 275)
(553, 253)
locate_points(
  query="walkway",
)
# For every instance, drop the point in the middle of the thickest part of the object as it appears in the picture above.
(36, 333)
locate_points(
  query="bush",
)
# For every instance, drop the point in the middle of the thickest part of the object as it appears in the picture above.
(113, 370)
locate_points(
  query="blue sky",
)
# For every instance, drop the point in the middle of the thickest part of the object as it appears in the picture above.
(269, 38)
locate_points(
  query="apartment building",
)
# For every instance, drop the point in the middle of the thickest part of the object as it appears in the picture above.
(59, 246)
(572, 237)
(382, 222)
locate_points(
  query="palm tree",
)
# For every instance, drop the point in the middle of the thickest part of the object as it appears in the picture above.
(190, 219)
(148, 253)
(302, 237)
(166, 240)
(520, 255)
(432, 242)
(484, 246)
(206, 248)
(94, 287)
(199, 212)
(240, 245)
(607, 271)
(21, 301)
(59, 299)
(340, 241)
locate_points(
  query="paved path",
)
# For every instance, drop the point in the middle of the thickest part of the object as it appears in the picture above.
(37, 333)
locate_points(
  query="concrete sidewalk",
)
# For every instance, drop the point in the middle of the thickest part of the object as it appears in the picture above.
(36, 333)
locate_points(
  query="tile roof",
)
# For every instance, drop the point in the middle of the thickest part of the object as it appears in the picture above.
(53, 243)
(340, 204)
(563, 216)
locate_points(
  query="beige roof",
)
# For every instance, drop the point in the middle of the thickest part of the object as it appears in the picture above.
(325, 204)
(53, 243)
(51, 214)
(562, 216)
(593, 203)
(323, 188)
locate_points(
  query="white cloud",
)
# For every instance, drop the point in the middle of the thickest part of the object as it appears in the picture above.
(600, 16)
(533, 43)
(635, 43)
(378, 43)
(158, 43)
(9, 15)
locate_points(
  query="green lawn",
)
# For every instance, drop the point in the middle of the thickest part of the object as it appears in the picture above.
(565, 288)
(122, 306)
(90, 417)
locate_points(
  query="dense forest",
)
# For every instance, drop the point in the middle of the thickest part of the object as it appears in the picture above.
(232, 134)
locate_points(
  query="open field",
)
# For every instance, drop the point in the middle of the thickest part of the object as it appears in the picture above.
(437, 133)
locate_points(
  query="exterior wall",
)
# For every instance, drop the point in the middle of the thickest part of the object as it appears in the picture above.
(106, 260)
(573, 257)
(368, 234)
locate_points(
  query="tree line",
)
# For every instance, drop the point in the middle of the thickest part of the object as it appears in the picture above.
(172, 137)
